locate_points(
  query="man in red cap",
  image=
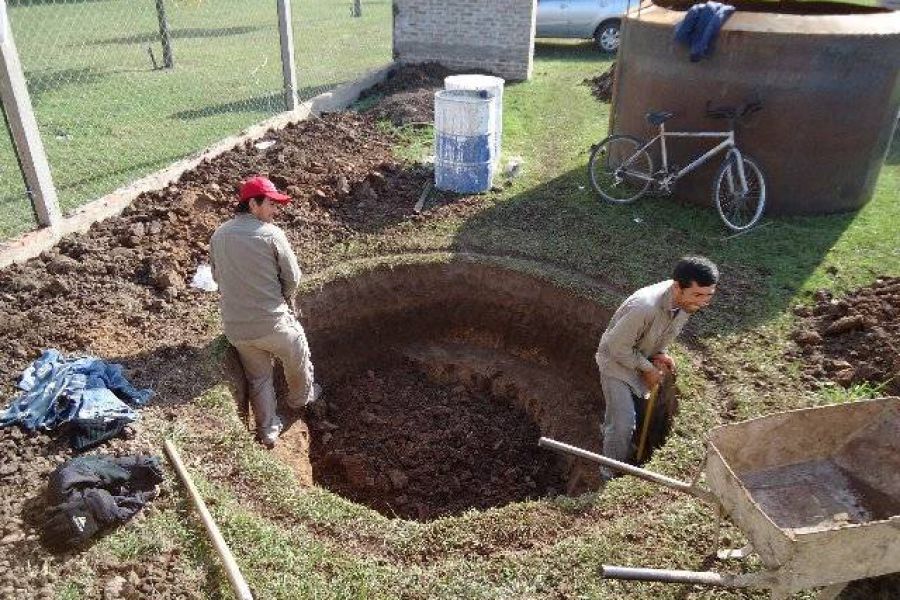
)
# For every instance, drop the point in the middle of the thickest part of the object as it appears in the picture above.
(257, 273)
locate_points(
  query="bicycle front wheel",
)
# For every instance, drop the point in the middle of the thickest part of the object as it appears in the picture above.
(620, 171)
(740, 206)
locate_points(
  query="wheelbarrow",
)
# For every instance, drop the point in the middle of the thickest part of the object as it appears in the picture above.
(816, 491)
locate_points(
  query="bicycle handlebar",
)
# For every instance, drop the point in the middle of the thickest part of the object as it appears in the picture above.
(731, 112)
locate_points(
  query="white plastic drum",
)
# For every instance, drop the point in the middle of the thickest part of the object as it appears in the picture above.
(490, 84)
(465, 131)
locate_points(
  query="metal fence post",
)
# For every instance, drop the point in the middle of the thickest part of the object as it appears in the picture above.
(24, 129)
(357, 8)
(164, 35)
(288, 69)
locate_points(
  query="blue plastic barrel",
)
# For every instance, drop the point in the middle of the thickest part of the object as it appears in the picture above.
(493, 85)
(465, 145)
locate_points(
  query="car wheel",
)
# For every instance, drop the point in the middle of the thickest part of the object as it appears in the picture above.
(607, 37)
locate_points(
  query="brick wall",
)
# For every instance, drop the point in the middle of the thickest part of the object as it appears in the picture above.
(491, 35)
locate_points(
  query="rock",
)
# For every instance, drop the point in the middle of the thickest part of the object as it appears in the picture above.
(320, 194)
(398, 478)
(56, 287)
(62, 264)
(8, 469)
(343, 185)
(845, 377)
(845, 324)
(154, 228)
(113, 588)
(138, 230)
(168, 279)
(822, 295)
(12, 538)
(838, 365)
(808, 338)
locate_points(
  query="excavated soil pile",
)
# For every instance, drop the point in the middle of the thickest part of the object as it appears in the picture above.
(406, 446)
(602, 85)
(854, 339)
(409, 94)
(120, 291)
(123, 285)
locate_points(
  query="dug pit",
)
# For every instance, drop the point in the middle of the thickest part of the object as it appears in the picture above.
(440, 377)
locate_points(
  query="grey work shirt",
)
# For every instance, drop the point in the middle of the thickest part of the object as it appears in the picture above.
(257, 273)
(644, 325)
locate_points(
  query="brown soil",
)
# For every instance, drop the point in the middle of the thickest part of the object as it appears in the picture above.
(854, 339)
(602, 85)
(408, 94)
(396, 441)
(120, 291)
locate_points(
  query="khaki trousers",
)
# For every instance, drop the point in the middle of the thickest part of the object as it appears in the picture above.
(288, 343)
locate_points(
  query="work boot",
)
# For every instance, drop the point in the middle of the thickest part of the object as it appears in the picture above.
(316, 406)
(270, 435)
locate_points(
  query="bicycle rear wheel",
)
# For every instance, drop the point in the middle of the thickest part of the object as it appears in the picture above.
(739, 209)
(619, 170)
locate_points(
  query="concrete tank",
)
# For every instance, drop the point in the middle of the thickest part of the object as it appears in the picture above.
(828, 75)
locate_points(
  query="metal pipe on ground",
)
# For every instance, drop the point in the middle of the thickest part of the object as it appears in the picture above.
(754, 580)
(238, 583)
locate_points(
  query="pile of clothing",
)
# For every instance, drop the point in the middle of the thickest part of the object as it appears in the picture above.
(89, 494)
(87, 394)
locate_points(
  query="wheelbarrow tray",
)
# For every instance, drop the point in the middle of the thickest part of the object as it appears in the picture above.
(816, 491)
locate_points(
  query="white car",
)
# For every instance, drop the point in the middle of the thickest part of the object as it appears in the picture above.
(586, 19)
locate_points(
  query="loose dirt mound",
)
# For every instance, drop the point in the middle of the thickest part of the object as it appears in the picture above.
(403, 445)
(121, 291)
(602, 85)
(855, 339)
(125, 281)
(408, 94)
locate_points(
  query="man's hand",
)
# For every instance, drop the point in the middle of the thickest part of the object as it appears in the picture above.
(664, 363)
(651, 378)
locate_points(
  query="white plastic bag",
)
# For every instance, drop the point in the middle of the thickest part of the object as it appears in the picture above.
(203, 279)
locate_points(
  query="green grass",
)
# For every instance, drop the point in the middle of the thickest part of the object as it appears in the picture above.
(307, 542)
(107, 117)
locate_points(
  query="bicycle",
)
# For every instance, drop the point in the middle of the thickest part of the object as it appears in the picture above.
(621, 169)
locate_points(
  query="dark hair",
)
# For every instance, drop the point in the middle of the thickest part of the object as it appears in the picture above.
(698, 269)
(244, 205)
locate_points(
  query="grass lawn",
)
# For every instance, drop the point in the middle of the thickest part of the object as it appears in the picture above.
(107, 117)
(293, 542)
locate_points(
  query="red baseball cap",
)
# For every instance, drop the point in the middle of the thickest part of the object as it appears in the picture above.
(261, 186)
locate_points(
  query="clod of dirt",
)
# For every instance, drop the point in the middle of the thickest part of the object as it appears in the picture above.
(602, 85)
(855, 339)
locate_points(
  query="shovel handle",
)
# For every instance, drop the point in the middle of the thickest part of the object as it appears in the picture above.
(676, 484)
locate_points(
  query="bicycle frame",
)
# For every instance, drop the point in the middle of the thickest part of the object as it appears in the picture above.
(726, 143)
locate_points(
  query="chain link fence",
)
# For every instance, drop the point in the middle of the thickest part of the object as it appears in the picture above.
(116, 99)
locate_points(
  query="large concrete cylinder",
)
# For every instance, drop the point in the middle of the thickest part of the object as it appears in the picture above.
(829, 81)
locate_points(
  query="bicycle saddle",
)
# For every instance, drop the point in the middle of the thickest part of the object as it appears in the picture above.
(659, 117)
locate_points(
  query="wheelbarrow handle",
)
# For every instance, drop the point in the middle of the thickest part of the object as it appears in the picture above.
(676, 484)
(762, 579)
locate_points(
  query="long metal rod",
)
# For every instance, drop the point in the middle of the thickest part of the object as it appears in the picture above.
(752, 580)
(238, 583)
(676, 484)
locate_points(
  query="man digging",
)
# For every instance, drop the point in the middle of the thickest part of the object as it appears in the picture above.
(632, 354)
(258, 274)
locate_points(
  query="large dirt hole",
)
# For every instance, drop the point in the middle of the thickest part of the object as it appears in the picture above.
(440, 378)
